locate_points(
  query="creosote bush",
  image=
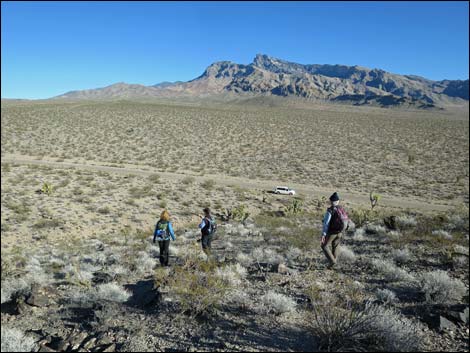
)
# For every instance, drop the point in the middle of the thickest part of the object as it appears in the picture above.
(340, 327)
(438, 287)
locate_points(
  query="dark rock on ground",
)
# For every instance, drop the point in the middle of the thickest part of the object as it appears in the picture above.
(144, 294)
(101, 277)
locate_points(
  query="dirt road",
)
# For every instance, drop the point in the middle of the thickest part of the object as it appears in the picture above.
(261, 185)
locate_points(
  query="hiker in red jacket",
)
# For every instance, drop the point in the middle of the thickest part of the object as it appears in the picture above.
(335, 222)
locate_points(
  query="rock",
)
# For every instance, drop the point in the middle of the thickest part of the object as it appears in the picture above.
(111, 348)
(46, 349)
(105, 340)
(77, 341)
(282, 269)
(37, 299)
(90, 343)
(99, 246)
(464, 316)
(445, 324)
(439, 322)
(101, 277)
(58, 344)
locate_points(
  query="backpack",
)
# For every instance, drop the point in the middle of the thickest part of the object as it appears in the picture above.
(161, 230)
(339, 220)
(210, 227)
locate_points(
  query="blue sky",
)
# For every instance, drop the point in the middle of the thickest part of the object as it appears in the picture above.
(49, 48)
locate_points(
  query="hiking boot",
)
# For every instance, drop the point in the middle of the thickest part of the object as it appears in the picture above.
(331, 266)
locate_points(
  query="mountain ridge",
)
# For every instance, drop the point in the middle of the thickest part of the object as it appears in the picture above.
(267, 75)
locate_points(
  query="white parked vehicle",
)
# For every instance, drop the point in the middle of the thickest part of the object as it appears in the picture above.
(284, 190)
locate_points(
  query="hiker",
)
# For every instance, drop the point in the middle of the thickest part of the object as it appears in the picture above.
(335, 222)
(163, 233)
(208, 228)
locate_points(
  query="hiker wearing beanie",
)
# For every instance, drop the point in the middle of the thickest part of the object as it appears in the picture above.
(335, 222)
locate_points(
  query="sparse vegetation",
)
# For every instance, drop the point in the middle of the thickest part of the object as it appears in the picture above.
(88, 249)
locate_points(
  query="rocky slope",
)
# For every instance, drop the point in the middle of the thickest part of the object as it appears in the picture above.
(270, 76)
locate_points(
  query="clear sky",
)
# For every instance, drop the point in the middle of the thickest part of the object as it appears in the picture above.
(49, 48)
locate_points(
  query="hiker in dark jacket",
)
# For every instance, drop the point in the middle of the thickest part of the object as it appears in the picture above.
(335, 222)
(163, 233)
(208, 228)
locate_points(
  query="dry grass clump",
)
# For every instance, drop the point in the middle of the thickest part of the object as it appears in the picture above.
(340, 328)
(439, 287)
(390, 272)
(275, 303)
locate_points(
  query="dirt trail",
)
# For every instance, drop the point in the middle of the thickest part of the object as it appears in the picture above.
(261, 185)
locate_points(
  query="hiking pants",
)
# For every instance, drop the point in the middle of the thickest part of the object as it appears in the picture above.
(331, 247)
(206, 241)
(164, 251)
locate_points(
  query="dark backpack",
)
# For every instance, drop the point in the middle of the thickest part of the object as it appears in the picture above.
(339, 220)
(210, 227)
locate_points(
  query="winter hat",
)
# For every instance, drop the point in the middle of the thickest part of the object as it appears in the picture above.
(334, 197)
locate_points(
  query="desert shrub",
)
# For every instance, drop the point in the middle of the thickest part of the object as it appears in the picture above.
(376, 229)
(14, 340)
(104, 210)
(5, 227)
(141, 192)
(346, 255)
(438, 287)
(47, 223)
(359, 234)
(276, 303)
(208, 184)
(390, 271)
(293, 254)
(295, 207)
(460, 261)
(239, 298)
(405, 221)
(13, 287)
(361, 216)
(231, 274)
(362, 328)
(239, 213)
(196, 285)
(112, 292)
(154, 178)
(459, 249)
(386, 296)
(266, 255)
(394, 235)
(244, 258)
(458, 219)
(188, 180)
(144, 263)
(401, 256)
(442, 234)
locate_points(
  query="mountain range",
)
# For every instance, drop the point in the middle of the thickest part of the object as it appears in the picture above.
(268, 76)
